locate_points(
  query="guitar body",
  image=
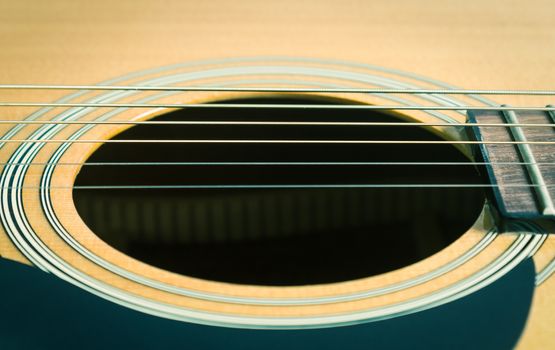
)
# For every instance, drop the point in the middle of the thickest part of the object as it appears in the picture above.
(496, 265)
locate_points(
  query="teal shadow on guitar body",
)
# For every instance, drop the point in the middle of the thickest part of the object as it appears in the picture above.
(40, 311)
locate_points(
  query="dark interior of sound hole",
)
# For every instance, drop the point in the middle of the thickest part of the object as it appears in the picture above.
(277, 236)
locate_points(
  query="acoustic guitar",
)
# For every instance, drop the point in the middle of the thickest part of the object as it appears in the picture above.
(292, 174)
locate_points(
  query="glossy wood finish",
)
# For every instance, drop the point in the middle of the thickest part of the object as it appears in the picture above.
(471, 44)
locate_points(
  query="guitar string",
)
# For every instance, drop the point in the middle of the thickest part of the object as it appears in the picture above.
(269, 141)
(284, 90)
(278, 186)
(282, 185)
(286, 164)
(279, 106)
(272, 123)
(296, 106)
(299, 163)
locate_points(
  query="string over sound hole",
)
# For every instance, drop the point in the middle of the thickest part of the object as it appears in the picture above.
(278, 214)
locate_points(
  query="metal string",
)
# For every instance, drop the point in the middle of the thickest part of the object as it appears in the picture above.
(278, 186)
(271, 123)
(272, 163)
(246, 141)
(285, 90)
(278, 106)
(281, 106)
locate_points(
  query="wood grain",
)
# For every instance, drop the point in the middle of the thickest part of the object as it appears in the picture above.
(516, 202)
(473, 44)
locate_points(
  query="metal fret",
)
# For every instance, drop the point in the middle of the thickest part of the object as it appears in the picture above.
(545, 200)
(551, 116)
(537, 200)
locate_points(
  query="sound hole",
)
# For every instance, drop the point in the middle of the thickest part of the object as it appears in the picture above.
(277, 236)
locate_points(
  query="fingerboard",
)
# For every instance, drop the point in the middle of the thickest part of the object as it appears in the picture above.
(523, 174)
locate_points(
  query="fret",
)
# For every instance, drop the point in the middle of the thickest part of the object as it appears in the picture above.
(526, 203)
